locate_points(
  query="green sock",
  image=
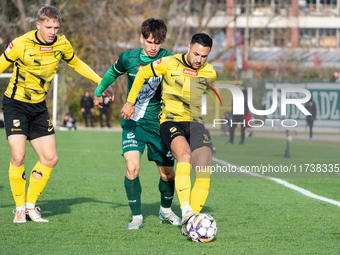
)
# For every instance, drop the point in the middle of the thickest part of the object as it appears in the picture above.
(133, 191)
(167, 192)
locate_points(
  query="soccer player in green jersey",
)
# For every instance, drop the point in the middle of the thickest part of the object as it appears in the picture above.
(144, 128)
(35, 56)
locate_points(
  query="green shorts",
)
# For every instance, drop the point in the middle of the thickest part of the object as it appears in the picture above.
(135, 137)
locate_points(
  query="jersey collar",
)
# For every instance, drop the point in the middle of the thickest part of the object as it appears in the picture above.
(36, 37)
(184, 58)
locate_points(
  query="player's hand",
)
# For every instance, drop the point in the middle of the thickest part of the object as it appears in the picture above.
(128, 111)
(98, 101)
(110, 93)
(82, 109)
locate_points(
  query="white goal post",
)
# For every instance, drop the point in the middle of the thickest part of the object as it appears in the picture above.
(55, 95)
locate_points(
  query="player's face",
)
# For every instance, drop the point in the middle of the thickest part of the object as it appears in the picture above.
(197, 55)
(150, 48)
(47, 30)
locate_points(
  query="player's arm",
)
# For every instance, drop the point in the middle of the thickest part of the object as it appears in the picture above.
(4, 63)
(128, 109)
(79, 66)
(155, 68)
(10, 55)
(104, 86)
(83, 69)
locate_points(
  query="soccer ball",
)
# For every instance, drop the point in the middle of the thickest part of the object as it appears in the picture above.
(202, 228)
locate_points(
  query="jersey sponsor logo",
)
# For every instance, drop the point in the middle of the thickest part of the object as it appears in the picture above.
(130, 135)
(173, 129)
(157, 62)
(16, 123)
(187, 71)
(140, 67)
(46, 48)
(10, 46)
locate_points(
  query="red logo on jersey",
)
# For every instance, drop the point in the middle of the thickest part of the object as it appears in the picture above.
(140, 67)
(156, 63)
(46, 48)
(10, 46)
(193, 73)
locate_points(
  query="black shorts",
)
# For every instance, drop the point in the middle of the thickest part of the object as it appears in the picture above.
(195, 133)
(31, 120)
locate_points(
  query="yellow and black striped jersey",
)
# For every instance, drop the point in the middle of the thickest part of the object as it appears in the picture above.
(35, 65)
(182, 87)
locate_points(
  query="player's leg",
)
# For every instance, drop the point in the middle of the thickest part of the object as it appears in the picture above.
(17, 177)
(160, 154)
(166, 188)
(133, 188)
(201, 161)
(46, 149)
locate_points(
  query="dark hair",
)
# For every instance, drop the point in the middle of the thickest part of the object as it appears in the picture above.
(156, 27)
(49, 12)
(202, 39)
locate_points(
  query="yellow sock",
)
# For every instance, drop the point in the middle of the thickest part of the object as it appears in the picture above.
(37, 185)
(17, 180)
(200, 191)
(183, 183)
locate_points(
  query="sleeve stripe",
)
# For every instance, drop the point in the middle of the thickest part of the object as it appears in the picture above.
(114, 66)
(153, 70)
(68, 60)
(8, 58)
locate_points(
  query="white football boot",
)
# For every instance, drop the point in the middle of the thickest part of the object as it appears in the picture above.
(135, 224)
(171, 217)
(20, 216)
(35, 215)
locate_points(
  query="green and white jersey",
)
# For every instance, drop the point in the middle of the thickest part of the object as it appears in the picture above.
(147, 107)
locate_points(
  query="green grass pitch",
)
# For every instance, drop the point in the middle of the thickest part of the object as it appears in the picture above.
(86, 204)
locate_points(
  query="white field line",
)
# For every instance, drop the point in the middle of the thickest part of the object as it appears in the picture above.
(284, 183)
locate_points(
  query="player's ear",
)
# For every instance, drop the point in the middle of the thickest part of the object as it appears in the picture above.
(38, 25)
(188, 48)
(141, 38)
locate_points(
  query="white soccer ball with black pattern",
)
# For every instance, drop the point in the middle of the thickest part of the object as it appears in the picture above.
(202, 228)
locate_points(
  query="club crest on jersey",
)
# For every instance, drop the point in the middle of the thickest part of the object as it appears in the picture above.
(187, 71)
(140, 67)
(130, 135)
(16, 123)
(46, 48)
(10, 46)
(57, 54)
(157, 62)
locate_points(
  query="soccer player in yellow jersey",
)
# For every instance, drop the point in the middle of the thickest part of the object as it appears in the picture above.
(185, 78)
(35, 56)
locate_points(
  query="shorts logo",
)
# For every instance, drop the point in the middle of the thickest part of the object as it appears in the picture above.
(10, 46)
(173, 129)
(130, 135)
(169, 155)
(16, 123)
(206, 139)
(50, 129)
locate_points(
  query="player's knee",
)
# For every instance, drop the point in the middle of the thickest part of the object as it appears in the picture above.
(18, 160)
(185, 157)
(169, 176)
(132, 168)
(51, 161)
